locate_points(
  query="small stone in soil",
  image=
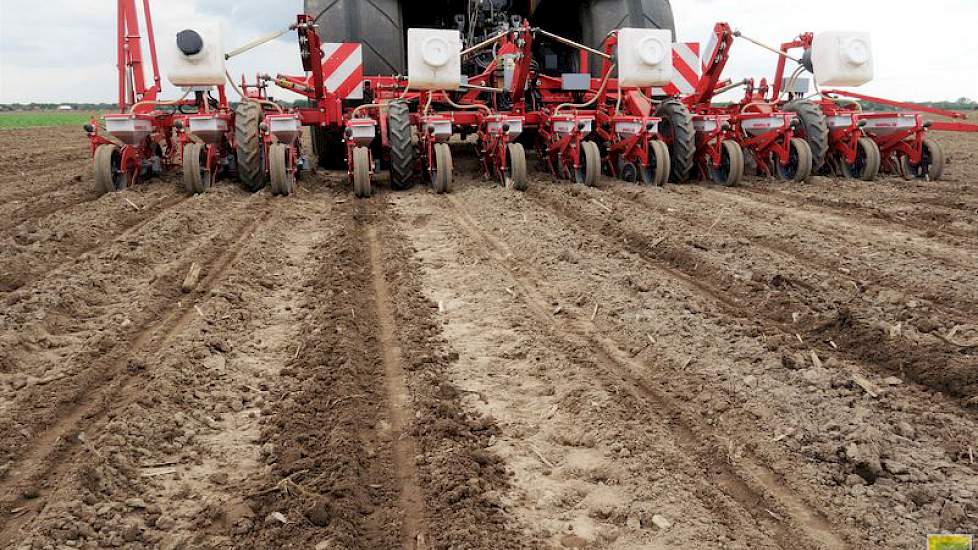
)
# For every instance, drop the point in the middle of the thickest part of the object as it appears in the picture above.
(661, 522)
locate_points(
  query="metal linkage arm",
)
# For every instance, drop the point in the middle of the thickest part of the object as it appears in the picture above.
(571, 43)
(897, 104)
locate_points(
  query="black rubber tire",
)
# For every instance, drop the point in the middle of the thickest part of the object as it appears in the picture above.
(282, 178)
(109, 176)
(800, 168)
(249, 149)
(442, 175)
(931, 167)
(591, 157)
(677, 128)
(329, 148)
(361, 173)
(628, 172)
(377, 24)
(731, 170)
(657, 173)
(814, 130)
(868, 162)
(196, 178)
(599, 17)
(934, 154)
(516, 177)
(403, 152)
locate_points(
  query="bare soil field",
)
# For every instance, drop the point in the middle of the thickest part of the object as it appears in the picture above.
(772, 366)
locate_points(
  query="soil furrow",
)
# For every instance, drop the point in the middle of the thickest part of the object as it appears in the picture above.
(398, 402)
(47, 181)
(757, 493)
(937, 365)
(44, 462)
(50, 207)
(329, 437)
(62, 256)
(929, 224)
(941, 255)
(802, 258)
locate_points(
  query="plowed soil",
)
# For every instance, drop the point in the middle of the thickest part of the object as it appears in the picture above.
(770, 366)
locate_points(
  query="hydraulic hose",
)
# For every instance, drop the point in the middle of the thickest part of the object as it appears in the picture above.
(173, 102)
(793, 79)
(469, 106)
(604, 85)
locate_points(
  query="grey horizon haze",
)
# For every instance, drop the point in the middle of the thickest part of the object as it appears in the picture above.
(921, 54)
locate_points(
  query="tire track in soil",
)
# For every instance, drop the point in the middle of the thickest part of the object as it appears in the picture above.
(401, 414)
(947, 196)
(782, 247)
(42, 208)
(937, 252)
(48, 456)
(334, 441)
(196, 409)
(70, 174)
(932, 365)
(875, 217)
(760, 492)
(158, 209)
(460, 476)
(329, 436)
(52, 181)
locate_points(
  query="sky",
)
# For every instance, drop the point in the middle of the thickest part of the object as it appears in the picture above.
(922, 52)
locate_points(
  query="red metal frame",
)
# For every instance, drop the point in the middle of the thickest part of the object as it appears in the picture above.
(139, 99)
(132, 79)
(494, 138)
(770, 146)
(715, 129)
(560, 149)
(844, 140)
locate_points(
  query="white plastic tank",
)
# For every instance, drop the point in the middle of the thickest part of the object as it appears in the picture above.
(434, 59)
(841, 58)
(199, 57)
(644, 57)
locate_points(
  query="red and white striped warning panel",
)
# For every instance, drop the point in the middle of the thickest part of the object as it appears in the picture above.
(343, 69)
(685, 69)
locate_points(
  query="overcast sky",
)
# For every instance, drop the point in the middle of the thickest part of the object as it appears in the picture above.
(64, 50)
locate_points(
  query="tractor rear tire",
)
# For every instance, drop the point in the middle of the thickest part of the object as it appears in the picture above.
(377, 24)
(401, 142)
(814, 130)
(600, 17)
(249, 149)
(677, 128)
